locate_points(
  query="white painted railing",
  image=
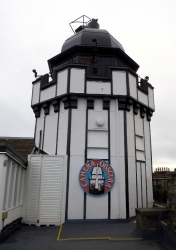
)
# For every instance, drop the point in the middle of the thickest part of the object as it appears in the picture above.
(11, 190)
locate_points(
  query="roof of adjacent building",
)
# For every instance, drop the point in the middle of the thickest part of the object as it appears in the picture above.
(22, 145)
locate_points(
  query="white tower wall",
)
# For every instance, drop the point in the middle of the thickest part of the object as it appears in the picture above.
(84, 126)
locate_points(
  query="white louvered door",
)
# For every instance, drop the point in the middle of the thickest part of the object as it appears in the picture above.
(33, 189)
(44, 190)
(51, 187)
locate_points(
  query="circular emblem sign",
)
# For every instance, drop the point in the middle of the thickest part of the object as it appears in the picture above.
(96, 177)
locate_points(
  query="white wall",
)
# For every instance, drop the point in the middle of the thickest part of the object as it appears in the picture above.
(140, 156)
(148, 162)
(95, 149)
(50, 132)
(119, 82)
(62, 130)
(139, 205)
(36, 93)
(39, 126)
(93, 116)
(133, 86)
(118, 196)
(62, 82)
(139, 143)
(48, 93)
(131, 163)
(142, 97)
(77, 80)
(138, 125)
(97, 207)
(141, 185)
(77, 158)
(151, 98)
(101, 139)
(97, 87)
(144, 193)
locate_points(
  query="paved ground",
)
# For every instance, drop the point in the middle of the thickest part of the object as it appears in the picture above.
(81, 235)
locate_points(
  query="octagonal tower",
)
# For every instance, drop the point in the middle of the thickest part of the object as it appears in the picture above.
(94, 108)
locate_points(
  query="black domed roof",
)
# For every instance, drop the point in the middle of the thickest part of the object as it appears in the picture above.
(84, 38)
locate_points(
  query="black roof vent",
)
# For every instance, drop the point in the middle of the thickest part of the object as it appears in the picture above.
(81, 27)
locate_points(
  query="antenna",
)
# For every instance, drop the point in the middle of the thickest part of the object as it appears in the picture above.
(84, 20)
(35, 73)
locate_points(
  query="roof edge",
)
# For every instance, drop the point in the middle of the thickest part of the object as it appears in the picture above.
(12, 153)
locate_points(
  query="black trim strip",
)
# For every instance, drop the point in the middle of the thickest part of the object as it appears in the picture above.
(137, 87)
(57, 132)
(137, 183)
(40, 141)
(106, 103)
(85, 206)
(68, 80)
(109, 205)
(126, 164)
(86, 141)
(127, 84)
(39, 92)
(109, 138)
(86, 135)
(151, 156)
(135, 158)
(32, 94)
(68, 160)
(127, 101)
(56, 87)
(35, 130)
(145, 163)
(43, 132)
(112, 83)
(90, 103)
(109, 159)
(141, 184)
(85, 83)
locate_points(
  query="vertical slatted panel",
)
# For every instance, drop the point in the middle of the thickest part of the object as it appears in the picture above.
(33, 189)
(16, 186)
(143, 184)
(12, 182)
(7, 184)
(21, 185)
(139, 185)
(50, 197)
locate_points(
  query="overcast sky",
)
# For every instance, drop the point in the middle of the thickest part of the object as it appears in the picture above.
(33, 31)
